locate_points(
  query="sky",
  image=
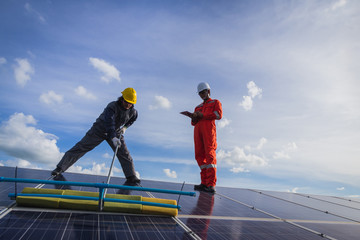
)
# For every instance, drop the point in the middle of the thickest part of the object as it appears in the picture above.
(286, 73)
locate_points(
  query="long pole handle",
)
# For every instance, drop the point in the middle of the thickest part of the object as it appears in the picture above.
(112, 164)
(104, 191)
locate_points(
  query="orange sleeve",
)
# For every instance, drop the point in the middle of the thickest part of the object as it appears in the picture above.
(193, 121)
(216, 114)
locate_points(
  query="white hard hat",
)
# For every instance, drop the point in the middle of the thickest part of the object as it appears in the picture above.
(202, 86)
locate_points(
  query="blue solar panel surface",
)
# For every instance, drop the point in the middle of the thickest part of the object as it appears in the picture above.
(231, 213)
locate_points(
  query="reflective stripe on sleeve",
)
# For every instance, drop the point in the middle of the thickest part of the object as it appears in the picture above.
(217, 115)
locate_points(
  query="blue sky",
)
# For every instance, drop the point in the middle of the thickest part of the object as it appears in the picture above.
(286, 72)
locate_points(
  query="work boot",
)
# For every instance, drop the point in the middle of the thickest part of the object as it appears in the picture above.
(56, 171)
(199, 187)
(132, 181)
(209, 189)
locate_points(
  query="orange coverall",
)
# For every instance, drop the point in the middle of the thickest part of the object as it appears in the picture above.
(205, 140)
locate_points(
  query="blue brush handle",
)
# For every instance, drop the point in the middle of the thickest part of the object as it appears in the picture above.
(96, 185)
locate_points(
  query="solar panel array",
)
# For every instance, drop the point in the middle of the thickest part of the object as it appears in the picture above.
(231, 213)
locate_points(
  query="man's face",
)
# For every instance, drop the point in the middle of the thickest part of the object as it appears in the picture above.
(126, 104)
(204, 94)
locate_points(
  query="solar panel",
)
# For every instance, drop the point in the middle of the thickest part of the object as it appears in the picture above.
(337, 230)
(352, 203)
(327, 206)
(278, 207)
(55, 225)
(231, 213)
(238, 229)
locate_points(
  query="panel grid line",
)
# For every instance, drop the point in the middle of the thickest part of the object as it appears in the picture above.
(67, 223)
(327, 212)
(30, 226)
(282, 219)
(127, 224)
(265, 219)
(323, 200)
(188, 230)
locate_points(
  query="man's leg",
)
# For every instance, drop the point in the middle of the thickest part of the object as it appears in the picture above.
(200, 158)
(211, 167)
(210, 151)
(86, 144)
(125, 158)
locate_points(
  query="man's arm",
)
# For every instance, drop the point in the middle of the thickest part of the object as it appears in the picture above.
(216, 114)
(109, 121)
(132, 119)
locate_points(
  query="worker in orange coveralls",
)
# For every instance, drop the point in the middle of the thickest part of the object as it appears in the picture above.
(203, 119)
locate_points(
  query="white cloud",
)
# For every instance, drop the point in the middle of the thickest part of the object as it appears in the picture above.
(96, 169)
(22, 71)
(338, 4)
(281, 155)
(253, 91)
(247, 103)
(22, 141)
(51, 98)
(160, 102)
(340, 188)
(169, 173)
(21, 163)
(2, 60)
(239, 160)
(32, 11)
(31, 54)
(99, 169)
(238, 169)
(223, 122)
(107, 155)
(83, 92)
(108, 70)
(261, 143)
(166, 160)
(285, 152)
(291, 146)
(294, 190)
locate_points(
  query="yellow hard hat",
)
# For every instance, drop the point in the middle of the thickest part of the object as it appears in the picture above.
(129, 94)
